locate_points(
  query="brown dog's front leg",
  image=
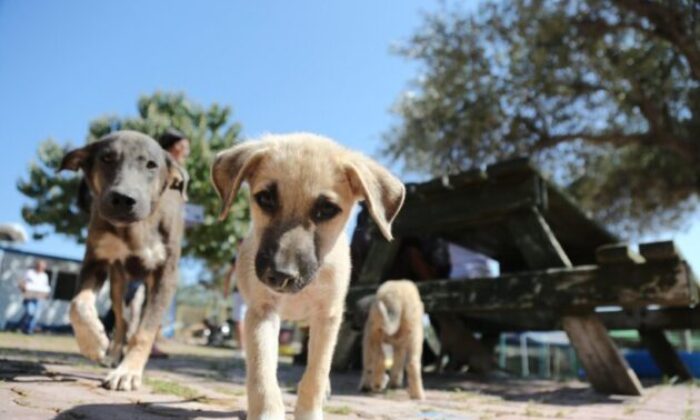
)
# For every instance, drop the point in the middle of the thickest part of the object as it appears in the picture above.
(262, 328)
(87, 327)
(160, 291)
(312, 388)
(117, 285)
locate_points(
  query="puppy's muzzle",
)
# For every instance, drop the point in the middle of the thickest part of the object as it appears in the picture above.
(282, 281)
(284, 278)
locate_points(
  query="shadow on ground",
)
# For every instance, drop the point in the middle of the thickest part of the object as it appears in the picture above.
(572, 393)
(134, 411)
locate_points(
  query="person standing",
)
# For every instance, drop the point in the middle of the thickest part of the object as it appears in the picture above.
(35, 287)
(177, 144)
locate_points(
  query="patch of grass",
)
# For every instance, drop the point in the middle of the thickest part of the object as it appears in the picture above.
(228, 391)
(160, 386)
(531, 410)
(343, 410)
(688, 414)
(629, 410)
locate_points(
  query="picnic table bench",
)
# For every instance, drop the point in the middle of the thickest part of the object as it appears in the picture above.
(557, 266)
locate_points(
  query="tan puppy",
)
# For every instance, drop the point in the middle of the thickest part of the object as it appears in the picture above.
(395, 318)
(295, 262)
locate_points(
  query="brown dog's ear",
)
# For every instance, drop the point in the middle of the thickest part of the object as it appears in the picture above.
(382, 191)
(75, 159)
(178, 179)
(231, 167)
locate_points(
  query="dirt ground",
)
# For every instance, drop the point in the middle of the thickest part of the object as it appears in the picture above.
(44, 377)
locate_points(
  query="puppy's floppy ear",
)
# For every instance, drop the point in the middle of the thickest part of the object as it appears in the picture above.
(75, 159)
(382, 191)
(178, 179)
(231, 167)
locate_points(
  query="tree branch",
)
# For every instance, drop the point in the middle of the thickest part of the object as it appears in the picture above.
(669, 24)
(616, 139)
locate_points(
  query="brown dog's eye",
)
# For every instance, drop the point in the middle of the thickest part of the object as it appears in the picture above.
(267, 199)
(151, 165)
(324, 210)
(108, 158)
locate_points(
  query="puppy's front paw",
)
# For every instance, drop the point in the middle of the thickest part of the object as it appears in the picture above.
(308, 415)
(89, 331)
(416, 394)
(123, 379)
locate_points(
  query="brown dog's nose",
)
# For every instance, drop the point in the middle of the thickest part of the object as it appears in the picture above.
(121, 201)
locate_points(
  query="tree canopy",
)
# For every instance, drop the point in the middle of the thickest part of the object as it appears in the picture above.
(603, 94)
(53, 197)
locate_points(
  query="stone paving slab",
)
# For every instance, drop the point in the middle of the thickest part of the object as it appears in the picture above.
(44, 377)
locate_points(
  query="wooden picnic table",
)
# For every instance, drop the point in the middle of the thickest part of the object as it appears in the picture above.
(557, 266)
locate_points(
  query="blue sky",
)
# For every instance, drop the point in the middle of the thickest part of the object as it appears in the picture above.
(283, 66)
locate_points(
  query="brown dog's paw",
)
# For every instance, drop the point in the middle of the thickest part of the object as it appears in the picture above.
(113, 355)
(123, 379)
(89, 331)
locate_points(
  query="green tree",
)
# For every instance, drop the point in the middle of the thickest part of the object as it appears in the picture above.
(604, 94)
(52, 196)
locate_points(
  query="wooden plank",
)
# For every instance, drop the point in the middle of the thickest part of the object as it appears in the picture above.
(652, 283)
(664, 354)
(536, 241)
(607, 371)
(653, 319)
(617, 254)
(605, 368)
(565, 215)
(514, 167)
(470, 207)
(451, 182)
(659, 251)
(549, 320)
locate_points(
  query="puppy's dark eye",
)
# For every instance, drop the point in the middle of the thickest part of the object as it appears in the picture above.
(324, 210)
(267, 200)
(108, 158)
(151, 164)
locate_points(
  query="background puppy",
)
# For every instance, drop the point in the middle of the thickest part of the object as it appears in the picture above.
(134, 232)
(396, 318)
(295, 261)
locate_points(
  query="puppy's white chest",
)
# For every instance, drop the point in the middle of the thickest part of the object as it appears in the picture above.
(112, 248)
(294, 309)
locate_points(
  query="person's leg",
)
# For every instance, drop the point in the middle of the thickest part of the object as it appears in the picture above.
(22, 321)
(30, 310)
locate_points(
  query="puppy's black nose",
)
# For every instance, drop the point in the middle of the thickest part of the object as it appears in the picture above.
(279, 279)
(121, 201)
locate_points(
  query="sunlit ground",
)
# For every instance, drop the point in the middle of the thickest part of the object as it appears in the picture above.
(44, 376)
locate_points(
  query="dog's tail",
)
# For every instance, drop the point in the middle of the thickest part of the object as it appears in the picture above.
(391, 319)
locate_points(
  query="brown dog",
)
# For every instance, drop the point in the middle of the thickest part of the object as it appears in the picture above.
(396, 318)
(295, 262)
(134, 232)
